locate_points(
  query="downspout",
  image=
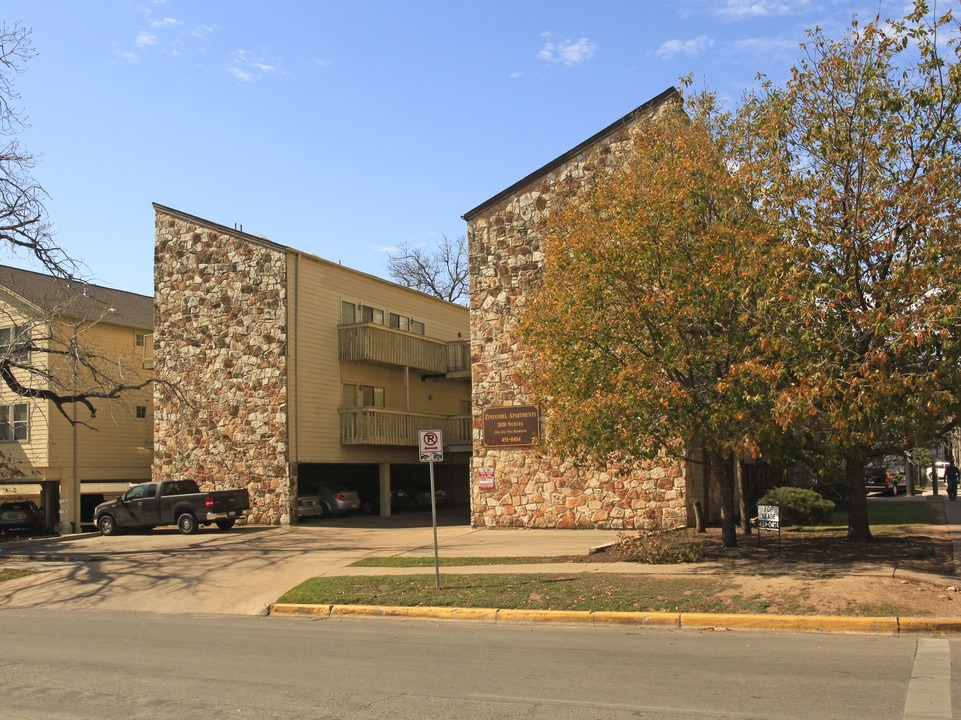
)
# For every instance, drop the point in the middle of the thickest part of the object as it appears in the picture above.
(293, 388)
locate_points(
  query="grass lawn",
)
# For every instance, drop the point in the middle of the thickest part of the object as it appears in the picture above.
(577, 591)
(11, 574)
(617, 593)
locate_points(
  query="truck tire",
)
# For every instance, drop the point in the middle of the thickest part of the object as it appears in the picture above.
(187, 524)
(107, 525)
(225, 524)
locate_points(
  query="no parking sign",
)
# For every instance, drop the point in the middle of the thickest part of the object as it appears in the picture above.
(431, 444)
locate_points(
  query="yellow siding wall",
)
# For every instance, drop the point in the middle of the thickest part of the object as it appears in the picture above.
(30, 457)
(317, 290)
(114, 445)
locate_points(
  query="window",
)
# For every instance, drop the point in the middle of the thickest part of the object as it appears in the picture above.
(350, 396)
(363, 396)
(348, 313)
(13, 341)
(399, 321)
(402, 322)
(14, 423)
(141, 412)
(371, 315)
(371, 396)
(139, 340)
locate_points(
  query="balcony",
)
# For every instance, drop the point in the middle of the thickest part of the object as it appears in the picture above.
(380, 426)
(373, 343)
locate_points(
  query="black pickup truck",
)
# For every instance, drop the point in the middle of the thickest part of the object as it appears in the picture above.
(171, 502)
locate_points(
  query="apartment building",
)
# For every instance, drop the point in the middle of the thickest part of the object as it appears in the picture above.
(520, 482)
(63, 337)
(277, 369)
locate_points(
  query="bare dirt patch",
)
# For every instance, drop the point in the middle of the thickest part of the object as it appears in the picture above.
(902, 572)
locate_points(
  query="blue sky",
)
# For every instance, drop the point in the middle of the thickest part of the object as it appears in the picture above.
(345, 128)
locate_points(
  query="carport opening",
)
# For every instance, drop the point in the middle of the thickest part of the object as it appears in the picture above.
(409, 484)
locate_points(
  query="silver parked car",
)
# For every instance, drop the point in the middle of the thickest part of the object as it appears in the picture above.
(309, 506)
(329, 498)
(20, 515)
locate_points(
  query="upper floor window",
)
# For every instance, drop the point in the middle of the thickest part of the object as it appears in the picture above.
(13, 343)
(141, 412)
(140, 340)
(401, 322)
(351, 313)
(371, 315)
(14, 423)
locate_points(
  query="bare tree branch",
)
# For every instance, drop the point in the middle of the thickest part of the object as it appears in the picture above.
(441, 271)
(23, 215)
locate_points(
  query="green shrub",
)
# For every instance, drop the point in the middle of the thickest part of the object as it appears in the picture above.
(660, 547)
(799, 506)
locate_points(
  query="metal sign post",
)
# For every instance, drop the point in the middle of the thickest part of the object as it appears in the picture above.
(431, 444)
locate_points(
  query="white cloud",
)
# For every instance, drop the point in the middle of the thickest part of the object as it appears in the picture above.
(761, 8)
(568, 52)
(166, 22)
(684, 47)
(203, 31)
(250, 67)
(145, 39)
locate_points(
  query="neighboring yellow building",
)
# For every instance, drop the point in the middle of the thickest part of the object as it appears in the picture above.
(73, 337)
(279, 369)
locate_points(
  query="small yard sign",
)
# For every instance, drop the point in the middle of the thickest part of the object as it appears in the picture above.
(768, 517)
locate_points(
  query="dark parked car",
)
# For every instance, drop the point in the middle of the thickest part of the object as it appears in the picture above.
(884, 479)
(20, 515)
(404, 495)
(418, 493)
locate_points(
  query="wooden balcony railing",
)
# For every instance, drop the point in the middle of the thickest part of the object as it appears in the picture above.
(458, 357)
(381, 426)
(373, 343)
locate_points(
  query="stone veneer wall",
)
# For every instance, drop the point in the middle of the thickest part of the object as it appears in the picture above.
(220, 340)
(532, 487)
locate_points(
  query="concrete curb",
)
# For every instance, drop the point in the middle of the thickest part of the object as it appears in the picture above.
(696, 621)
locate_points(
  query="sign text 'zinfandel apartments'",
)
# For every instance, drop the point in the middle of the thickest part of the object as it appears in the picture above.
(511, 426)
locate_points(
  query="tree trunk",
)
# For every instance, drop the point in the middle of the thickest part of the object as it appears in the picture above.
(723, 469)
(742, 498)
(859, 530)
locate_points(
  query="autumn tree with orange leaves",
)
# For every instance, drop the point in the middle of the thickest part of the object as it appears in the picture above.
(642, 326)
(856, 166)
(784, 282)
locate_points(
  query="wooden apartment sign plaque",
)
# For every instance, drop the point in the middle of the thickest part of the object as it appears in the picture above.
(511, 426)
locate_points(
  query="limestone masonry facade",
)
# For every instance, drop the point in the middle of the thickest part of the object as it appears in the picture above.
(222, 416)
(532, 487)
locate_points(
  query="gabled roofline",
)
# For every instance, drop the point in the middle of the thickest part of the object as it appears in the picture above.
(289, 250)
(40, 294)
(671, 94)
(258, 239)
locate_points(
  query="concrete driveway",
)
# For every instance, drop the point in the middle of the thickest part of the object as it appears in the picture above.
(244, 570)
